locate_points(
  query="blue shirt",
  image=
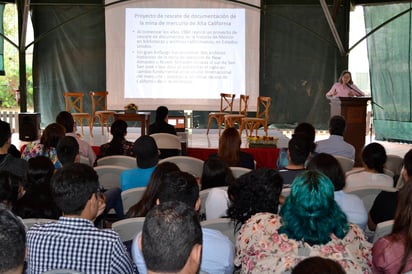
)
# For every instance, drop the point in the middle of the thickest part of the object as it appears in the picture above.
(353, 208)
(136, 177)
(217, 254)
(335, 145)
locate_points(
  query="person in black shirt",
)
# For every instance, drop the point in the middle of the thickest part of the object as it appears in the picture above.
(161, 125)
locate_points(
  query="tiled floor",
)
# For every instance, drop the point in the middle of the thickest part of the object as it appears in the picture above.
(199, 139)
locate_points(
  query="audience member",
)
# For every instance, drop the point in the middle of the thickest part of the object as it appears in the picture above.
(384, 206)
(299, 148)
(147, 157)
(229, 150)
(162, 250)
(47, 145)
(372, 174)
(118, 145)
(309, 223)
(9, 189)
(307, 130)
(216, 174)
(350, 204)
(68, 153)
(335, 145)
(318, 265)
(161, 125)
(8, 162)
(78, 243)
(13, 243)
(65, 119)
(392, 253)
(218, 250)
(148, 200)
(37, 201)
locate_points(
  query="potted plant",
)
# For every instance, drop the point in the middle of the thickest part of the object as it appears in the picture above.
(130, 108)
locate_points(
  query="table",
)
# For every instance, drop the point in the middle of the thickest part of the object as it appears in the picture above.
(142, 117)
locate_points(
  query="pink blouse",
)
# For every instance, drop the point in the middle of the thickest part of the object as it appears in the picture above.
(387, 256)
(341, 90)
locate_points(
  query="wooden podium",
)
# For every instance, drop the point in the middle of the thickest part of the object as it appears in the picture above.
(353, 109)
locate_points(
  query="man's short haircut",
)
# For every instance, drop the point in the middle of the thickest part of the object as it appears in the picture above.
(318, 265)
(118, 129)
(67, 149)
(161, 113)
(146, 151)
(337, 125)
(299, 148)
(179, 186)
(65, 119)
(170, 232)
(5, 132)
(72, 186)
(13, 242)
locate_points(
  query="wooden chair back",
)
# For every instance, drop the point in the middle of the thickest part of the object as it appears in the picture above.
(263, 105)
(226, 102)
(74, 101)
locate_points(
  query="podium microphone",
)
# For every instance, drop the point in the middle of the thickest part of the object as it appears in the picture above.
(357, 92)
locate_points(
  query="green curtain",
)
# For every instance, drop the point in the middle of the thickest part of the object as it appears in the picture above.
(389, 53)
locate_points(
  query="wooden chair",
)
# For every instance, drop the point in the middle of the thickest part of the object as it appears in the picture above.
(99, 109)
(262, 116)
(118, 160)
(226, 107)
(128, 228)
(74, 105)
(232, 119)
(131, 196)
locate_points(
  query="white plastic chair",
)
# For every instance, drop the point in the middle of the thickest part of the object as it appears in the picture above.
(29, 222)
(394, 163)
(239, 171)
(188, 164)
(383, 229)
(224, 225)
(128, 228)
(167, 141)
(118, 160)
(131, 196)
(109, 176)
(368, 194)
(346, 163)
(203, 196)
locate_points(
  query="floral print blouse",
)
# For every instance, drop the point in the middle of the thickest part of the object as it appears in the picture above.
(261, 249)
(36, 149)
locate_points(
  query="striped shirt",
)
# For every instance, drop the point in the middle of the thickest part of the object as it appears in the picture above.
(76, 244)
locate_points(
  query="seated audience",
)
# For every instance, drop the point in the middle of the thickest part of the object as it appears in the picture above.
(118, 145)
(373, 161)
(229, 150)
(37, 201)
(335, 145)
(148, 200)
(318, 265)
(310, 223)
(307, 130)
(65, 119)
(216, 174)
(218, 250)
(9, 189)
(78, 243)
(392, 253)
(147, 157)
(13, 243)
(161, 125)
(384, 206)
(162, 250)
(68, 153)
(350, 204)
(299, 148)
(8, 162)
(47, 145)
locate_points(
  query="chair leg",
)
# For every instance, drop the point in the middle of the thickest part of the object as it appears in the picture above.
(209, 123)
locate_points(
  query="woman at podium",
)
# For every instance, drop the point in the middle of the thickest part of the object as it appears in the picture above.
(345, 87)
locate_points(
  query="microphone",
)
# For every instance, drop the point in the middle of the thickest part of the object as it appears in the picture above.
(357, 92)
